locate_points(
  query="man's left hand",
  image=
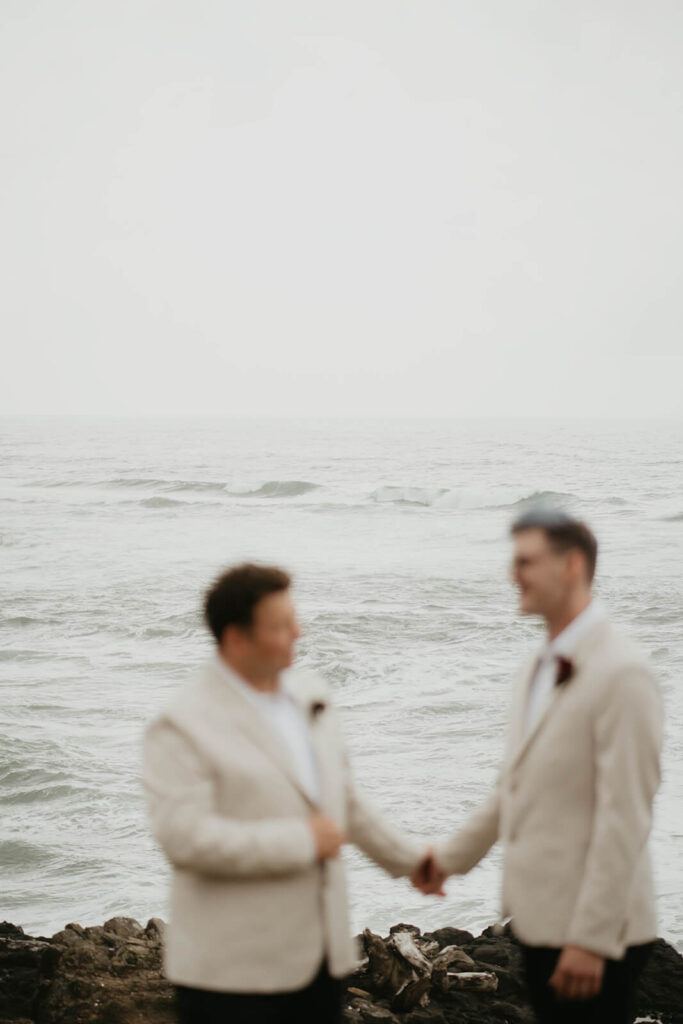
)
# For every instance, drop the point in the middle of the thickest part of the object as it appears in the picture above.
(578, 974)
(428, 876)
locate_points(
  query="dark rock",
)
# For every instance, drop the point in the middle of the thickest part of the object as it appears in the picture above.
(67, 937)
(371, 1013)
(434, 1015)
(112, 974)
(26, 966)
(498, 931)
(412, 995)
(500, 951)
(449, 937)
(155, 929)
(660, 992)
(351, 1015)
(101, 975)
(125, 927)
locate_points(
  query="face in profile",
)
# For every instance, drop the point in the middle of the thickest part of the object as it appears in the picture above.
(270, 642)
(541, 573)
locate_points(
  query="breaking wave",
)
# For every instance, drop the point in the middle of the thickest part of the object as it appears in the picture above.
(278, 489)
(464, 497)
(408, 495)
(161, 502)
(546, 498)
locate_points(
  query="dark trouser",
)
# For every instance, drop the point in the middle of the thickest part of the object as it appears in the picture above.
(320, 1002)
(614, 1003)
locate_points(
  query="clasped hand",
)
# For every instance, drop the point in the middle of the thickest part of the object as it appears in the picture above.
(428, 877)
(578, 974)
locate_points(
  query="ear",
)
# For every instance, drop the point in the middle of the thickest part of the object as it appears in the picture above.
(577, 569)
(232, 639)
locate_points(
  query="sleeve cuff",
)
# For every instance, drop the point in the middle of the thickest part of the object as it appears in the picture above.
(308, 846)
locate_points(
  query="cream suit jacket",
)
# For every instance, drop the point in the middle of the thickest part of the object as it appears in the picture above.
(573, 805)
(251, 908)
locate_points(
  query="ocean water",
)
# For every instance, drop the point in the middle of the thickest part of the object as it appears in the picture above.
(396, 533)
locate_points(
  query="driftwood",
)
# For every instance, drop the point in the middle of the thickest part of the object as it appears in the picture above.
(450, 959)
(398, 969)
(480, 981)
(405, 945)
(406, 970)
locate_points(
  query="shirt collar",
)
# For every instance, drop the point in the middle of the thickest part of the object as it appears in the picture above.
(566, 642)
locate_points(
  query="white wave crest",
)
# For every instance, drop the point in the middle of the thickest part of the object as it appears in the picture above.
(408, 495)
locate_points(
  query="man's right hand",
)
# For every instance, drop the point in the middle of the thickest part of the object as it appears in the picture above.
(328, 838)
(428, 876)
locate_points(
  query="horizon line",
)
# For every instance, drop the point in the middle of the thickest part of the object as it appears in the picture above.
(342, 416)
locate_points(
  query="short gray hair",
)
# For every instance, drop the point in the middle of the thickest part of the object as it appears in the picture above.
(562, 530)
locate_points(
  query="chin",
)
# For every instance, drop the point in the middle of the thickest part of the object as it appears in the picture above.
(527, 607)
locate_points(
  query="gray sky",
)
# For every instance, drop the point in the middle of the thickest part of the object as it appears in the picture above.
(350, 207)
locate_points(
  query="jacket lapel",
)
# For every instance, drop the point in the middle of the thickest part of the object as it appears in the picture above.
(526, 738)
(245, 717)
(522, 740)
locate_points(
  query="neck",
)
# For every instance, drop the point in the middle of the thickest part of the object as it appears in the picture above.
(561, 618)
(265, 682)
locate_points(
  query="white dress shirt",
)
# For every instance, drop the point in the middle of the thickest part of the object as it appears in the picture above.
(563, 646)
(287, 720)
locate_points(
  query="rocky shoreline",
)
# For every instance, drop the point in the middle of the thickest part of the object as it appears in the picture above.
(111, 974)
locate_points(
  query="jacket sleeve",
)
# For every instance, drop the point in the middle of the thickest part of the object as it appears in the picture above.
(628, 738)
(369, 830)
(180, 799)
(467, 847)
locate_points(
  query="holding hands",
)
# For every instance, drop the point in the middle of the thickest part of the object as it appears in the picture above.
(428, 877)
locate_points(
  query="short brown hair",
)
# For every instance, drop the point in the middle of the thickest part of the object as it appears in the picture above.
(232, 597)
(562, 530)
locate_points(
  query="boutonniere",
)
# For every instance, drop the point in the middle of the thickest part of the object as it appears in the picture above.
(317, 708)
(565, 670)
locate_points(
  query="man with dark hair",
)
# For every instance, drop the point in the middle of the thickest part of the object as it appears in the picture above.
(250, 797)
(573, 801)
(231, 599)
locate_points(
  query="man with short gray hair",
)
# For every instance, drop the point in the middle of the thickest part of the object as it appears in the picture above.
(573, 801)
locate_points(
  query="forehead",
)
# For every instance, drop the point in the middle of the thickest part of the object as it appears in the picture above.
(273, 606)
(533, 539)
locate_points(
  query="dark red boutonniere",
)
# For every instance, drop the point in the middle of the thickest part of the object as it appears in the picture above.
(565, 670)
(317, 708)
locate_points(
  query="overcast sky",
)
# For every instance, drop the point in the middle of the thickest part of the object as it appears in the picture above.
(345, 207)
